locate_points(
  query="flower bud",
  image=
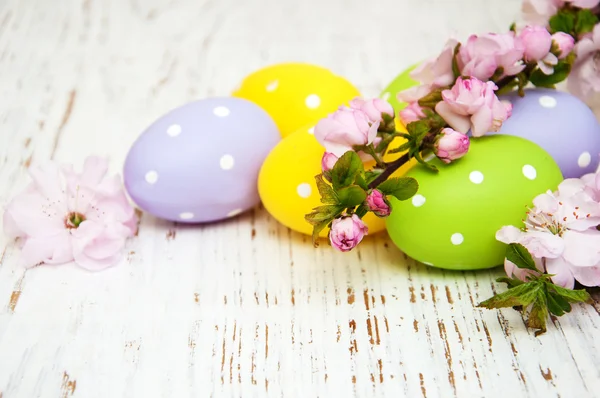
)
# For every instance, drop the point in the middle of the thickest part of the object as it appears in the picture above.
(378, 204)
(328, 161)
(451, 145)
(347, 232)
(563, 43)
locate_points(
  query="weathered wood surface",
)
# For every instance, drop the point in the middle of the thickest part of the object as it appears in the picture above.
(245, 307)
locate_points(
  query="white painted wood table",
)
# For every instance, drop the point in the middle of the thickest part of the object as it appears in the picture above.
(245, 307)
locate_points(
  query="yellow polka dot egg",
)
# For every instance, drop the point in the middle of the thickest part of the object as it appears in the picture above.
(296, 94)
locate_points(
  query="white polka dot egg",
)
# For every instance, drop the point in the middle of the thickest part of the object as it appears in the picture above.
(200, 162)
(452, 220)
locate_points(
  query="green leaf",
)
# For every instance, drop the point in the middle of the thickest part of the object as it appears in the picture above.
(401, 148)
(572, 296)
(317, 228)
(561, 72)
(563, 21)
(511, 282)
(417, 155)
(585, 22)
(513, 27)
(539, 313)
(328, 195)
(345, 170)
(371, 175)
(360, 181)
(521, 295)
(455, 68)
(520, 256)
(351, 196)
(418, 129)
(402, 188)
(557, 304)
(323, 213)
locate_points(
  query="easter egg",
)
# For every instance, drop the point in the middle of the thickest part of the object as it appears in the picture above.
(200, 162)
(295, 94)
(287, 187)
(402, 82)
(561, 124)
(452, 220)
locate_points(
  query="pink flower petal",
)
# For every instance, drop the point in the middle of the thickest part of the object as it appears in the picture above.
(561, 271)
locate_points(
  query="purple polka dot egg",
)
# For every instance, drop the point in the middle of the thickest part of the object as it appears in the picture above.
(561, 124)
(200, 162)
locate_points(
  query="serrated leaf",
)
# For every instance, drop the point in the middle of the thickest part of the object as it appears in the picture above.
(401, 148)
(572, 296)
(418, 130)
(371, 175)
(520, 256)
(510, 282)
(521, 295)
(317, 228)
(401, 188)
(585, 22)
(539, 313)
(563, 21)
(351, 196)
(557, 305)
(360, 181)
(323, 213)
(345, 170)
(561, 72)
(327, 193)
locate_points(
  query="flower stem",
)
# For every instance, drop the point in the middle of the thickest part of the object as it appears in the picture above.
(389, 170)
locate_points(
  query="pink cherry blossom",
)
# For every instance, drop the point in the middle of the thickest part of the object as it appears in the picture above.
(437, 72)
(561, 235)
(472, 105)
(564, 43)
(538, 12)
(378, 204)
(537, 41)
(344, 129)
(347, 232)
(414, 94)
(373, 108)
(451, 145)
(66, 216)
(584, 80)
(412, 113)
(481, 56)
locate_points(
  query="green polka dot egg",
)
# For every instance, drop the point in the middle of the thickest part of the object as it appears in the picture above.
(452, 220)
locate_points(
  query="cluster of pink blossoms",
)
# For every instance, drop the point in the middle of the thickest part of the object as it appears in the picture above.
(561, 233)
(340, 132)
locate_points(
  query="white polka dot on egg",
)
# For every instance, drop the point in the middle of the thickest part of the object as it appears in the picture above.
(547, 101)
(227, 162)
(418, 200)
(233, 213)
(529, 172)
(584, 160)
(311, 130)
(313, 101)
(457, 239)
(304, 190)
(272, 86)
(151, 177)
(221, 111)
(385, 96)
(186, 215)
(174, 130)
(476, 177)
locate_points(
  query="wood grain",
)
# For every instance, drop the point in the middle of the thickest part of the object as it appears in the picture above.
(245, 307)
